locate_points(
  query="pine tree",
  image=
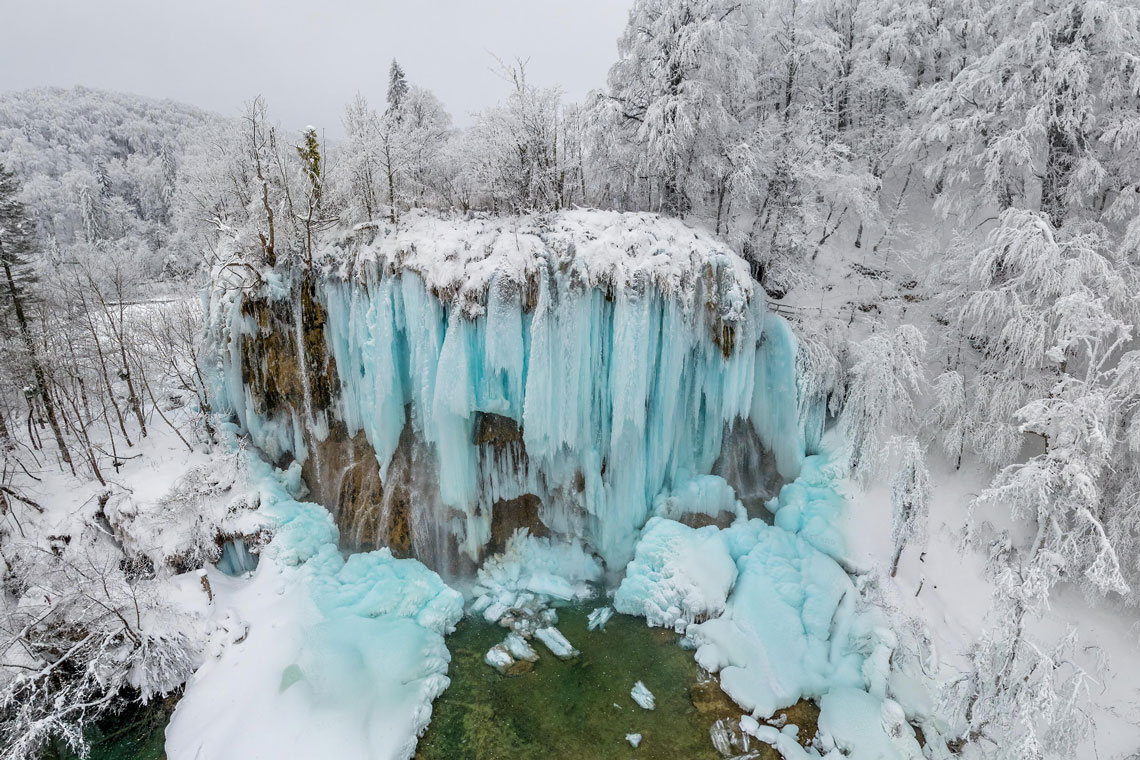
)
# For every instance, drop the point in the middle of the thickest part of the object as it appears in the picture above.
(310, 153)
(15, 245)
(397, 89)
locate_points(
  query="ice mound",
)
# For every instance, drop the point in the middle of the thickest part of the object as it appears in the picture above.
(863, 727)
(708, 495)
(533, 572)
(787, 629)
(678, 575)
(341, 658)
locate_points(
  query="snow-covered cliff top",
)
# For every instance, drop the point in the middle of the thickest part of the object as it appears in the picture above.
(459, 258)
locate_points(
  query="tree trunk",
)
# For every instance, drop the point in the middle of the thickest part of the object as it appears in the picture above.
(37, 367)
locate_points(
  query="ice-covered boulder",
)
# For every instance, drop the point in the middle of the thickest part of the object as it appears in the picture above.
(790, 628)
(678, 575)
(558, 644)
(643, 696)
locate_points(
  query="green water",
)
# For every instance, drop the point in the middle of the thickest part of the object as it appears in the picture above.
(138, 732)
(577, 710)
(557, 710)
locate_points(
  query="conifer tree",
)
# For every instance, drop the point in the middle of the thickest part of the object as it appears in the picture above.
(397, 88)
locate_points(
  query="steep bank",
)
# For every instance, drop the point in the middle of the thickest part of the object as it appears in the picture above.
(446, 382)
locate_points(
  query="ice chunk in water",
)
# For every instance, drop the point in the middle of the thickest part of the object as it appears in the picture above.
(599, 617)
(520, 648)
(643, 696)
(556, 643)
(499, 658)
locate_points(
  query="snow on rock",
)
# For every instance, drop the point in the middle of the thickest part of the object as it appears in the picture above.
(598, 618)
(337, 658)
(643, 696)
(864, 727)
(520, 648)
(678, 575)
(465, 256)
(499, 658)
(182, 527)
(788, 629)
(558, 645)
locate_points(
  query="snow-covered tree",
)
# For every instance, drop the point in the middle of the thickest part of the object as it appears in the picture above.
(1046, 113)
(85, 634)
(880, 396)
(910, 498)
(673, 106)
(515, 156)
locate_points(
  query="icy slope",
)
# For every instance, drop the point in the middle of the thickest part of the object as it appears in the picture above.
(618, 348)
(770, 609)
(314, 655)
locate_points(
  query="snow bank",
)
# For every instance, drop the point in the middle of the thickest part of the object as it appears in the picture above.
(342, 657)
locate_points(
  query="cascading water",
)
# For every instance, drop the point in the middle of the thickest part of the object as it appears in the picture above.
(554, 377)
(609, 381)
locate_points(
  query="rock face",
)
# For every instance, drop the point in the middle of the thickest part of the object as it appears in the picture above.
(450, 382)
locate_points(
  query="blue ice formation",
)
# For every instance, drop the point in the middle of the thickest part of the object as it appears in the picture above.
(342, 658)
(623, 346)
(770, 609)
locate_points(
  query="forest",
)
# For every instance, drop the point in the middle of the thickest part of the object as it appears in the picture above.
(940, 197)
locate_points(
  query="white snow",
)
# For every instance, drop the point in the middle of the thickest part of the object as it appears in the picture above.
(633, 739)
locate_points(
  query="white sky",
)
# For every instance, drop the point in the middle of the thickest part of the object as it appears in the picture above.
(307, 57)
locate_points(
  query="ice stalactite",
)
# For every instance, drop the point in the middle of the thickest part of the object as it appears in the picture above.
(608, 354)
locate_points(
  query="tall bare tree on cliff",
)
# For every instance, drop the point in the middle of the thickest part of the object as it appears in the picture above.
(15, 244)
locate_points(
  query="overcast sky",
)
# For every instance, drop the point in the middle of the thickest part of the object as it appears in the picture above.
(307, 57)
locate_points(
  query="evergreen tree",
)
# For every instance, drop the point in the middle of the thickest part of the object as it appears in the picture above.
(397, 89)
(309, 152)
